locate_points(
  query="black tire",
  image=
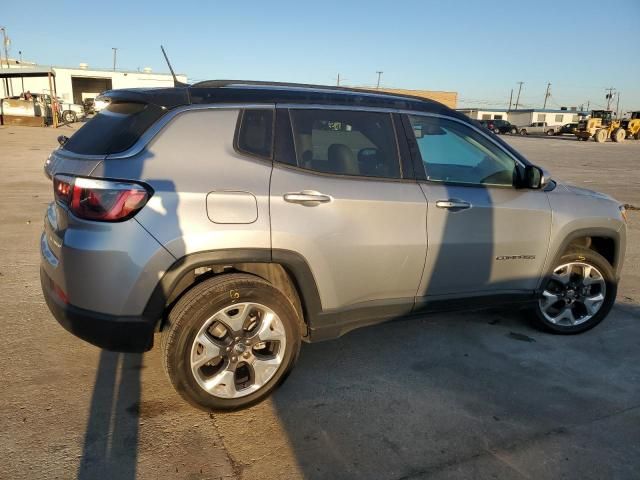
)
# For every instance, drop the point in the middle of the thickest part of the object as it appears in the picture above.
(196, 307)
(590, 257)
(600, 136)
(513, 131)
(69, 116)
(619, 135)
(496, 131)
(523, 132)
(550, 133)
(637, 135)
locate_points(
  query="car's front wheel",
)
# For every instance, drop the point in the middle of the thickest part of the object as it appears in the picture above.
(230, 341)
(578, 294)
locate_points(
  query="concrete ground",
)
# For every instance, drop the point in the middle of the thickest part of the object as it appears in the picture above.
(447, 396)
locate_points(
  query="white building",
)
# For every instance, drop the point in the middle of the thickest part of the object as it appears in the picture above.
(77, 84)
(485, 114)
(522, 118)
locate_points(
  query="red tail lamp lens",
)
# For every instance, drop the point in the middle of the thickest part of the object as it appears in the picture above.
(100, 200)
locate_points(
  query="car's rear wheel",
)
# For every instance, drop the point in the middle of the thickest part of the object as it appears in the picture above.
(496, 131)
(513, 131)
(230, 341)
(523, 132)
(578, 294)
(551, 133)
(69, 117)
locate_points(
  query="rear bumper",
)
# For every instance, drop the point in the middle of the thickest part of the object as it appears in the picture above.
(121, 334)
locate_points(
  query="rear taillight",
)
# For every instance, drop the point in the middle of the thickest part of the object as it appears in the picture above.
(100, 200)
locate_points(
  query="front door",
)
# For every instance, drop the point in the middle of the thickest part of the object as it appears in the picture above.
(485, 236)
(338, 198)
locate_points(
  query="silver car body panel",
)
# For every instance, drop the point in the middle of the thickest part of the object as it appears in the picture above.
(498, 244)
(368, 243)
(193, 156)
(109, 268)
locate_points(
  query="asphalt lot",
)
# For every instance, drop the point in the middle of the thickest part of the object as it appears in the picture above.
(448, 396)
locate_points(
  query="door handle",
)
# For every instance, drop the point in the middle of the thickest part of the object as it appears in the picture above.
(308, 198)
(452, 204)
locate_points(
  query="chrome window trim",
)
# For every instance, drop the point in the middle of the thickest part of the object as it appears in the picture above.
(150, 134)
(404, 112)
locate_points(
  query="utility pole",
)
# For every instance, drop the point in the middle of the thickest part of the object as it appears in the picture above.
(338, 81)
(21, 78)
(510, 100)
(518, 97)
(588, 104)
(115, 53)
(547, 95)
(609, 96)
(5, 43)
(618, 105)
(379, 75)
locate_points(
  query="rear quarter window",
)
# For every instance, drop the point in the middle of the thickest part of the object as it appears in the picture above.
(114, 129)
(255, 132)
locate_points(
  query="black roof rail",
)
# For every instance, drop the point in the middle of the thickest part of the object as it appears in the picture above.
(264, 83)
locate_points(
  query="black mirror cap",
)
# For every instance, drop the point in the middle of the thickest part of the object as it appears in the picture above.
(62, 139)
(535, 177)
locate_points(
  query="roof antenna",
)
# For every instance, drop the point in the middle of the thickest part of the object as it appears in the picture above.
(176, 82)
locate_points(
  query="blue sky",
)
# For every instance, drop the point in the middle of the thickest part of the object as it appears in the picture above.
(478, 48)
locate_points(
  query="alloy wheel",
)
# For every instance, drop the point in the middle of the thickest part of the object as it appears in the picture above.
(238, 350)
(573, 295)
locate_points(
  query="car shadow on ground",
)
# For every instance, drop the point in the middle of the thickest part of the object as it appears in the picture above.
(111, 437)
(461, 394)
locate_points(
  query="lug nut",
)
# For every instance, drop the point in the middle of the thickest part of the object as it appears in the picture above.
(246, 355)
(233, 359)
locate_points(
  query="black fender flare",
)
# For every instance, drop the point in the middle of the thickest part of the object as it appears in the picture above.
(579, 233)
(293, 263)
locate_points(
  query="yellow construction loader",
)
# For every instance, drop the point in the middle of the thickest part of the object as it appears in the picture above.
(631, 125)
(600, 126)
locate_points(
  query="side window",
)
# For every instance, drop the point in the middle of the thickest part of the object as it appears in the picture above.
(345, 142)
(486, 116)
(456, 153)
(559, 118)
(255, 132)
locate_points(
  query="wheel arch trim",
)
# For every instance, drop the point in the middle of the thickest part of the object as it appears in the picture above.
(293, 263)
(615, 235)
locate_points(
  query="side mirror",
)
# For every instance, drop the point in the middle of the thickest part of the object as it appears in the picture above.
(62, 139)
(535, 177)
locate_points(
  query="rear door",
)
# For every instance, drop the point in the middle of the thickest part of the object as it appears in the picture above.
(341, 198)
(485, 235)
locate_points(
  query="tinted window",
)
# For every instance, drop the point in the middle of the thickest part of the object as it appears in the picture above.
(454, 152)
(344, 142)
(114, 129)
(255, 135)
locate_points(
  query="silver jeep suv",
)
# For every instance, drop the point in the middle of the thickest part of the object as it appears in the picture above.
(240, 218)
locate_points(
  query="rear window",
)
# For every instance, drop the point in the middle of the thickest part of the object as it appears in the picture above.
(115, 129)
